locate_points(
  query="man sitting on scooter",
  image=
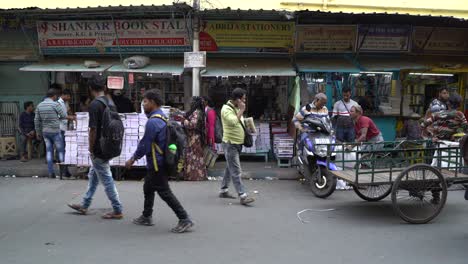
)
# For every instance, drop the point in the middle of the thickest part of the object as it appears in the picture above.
(316, 109)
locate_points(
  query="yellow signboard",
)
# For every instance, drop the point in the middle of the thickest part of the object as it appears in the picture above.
(247, 36)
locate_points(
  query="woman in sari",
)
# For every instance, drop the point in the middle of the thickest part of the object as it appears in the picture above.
(194, 123)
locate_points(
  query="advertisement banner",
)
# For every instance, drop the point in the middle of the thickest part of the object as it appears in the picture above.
(383, 38)
(324, 38)
(247, 36)
(440, 40)
(105, 37)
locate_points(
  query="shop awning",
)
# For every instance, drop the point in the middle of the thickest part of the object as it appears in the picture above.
(172, 67)
(248, 67)
(326, 65)
(392, 64)
(67, 65)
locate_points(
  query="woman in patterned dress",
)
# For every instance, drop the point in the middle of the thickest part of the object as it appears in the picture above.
(194, 166)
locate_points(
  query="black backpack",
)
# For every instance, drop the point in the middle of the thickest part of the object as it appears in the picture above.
(112, 132)
(175, 134)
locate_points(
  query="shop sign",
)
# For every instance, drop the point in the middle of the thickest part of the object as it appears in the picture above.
(383, 38)
(440, 40)
(107, 37)
(195, 59)
(247, 36)
(115, 82)
(324, 38)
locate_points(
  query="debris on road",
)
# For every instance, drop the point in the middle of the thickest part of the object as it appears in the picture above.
(312, 210)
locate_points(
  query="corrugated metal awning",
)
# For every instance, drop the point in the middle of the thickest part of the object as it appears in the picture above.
(67, 65)
(248, 67)
(157, 66)
(322, 64)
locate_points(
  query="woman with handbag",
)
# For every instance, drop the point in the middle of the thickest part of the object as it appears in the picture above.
(194, 123)
(234, 137)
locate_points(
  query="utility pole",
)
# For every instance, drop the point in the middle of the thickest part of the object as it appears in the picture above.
(196, 48)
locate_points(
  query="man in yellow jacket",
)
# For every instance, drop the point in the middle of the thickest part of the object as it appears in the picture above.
(233, 139)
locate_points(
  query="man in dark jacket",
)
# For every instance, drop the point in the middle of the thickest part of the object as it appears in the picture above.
(26, 129)
(157, 177)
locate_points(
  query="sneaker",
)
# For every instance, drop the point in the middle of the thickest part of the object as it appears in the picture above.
(52, 176)
(79, 208)
(113, 216)
(143, 220)
(246, 200)
(23, 159)
(226, 195)
(183, 226)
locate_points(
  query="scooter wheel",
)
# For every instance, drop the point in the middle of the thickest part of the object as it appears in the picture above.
(322, 183)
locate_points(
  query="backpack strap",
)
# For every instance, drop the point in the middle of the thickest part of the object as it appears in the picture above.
(154, 147)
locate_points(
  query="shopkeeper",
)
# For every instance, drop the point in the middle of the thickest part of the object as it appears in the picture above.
(123, 104)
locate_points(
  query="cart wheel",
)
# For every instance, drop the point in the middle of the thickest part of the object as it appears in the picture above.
(373, 193)
(419, 193)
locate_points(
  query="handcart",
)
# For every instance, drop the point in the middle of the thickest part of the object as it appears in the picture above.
(415, 173)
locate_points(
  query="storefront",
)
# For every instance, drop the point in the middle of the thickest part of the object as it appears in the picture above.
(164, 74)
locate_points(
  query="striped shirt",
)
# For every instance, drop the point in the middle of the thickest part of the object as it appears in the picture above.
(321, 113)
(48, 116)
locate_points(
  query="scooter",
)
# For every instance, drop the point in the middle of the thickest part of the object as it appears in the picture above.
(311, 155)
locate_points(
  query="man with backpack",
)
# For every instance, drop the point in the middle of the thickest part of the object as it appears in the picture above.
(105, 143)
(159, 147)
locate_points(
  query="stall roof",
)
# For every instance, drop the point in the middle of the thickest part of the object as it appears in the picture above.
(67, 65)
(159, 66)
(321, 64)
(392, 63)
(248, 67)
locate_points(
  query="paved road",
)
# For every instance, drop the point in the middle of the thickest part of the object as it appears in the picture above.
(37, 227)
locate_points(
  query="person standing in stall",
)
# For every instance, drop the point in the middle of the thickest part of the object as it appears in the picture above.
(64, 100)
(343, 121)
(26, 129)
(195, 127)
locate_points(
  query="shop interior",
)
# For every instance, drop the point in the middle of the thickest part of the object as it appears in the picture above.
(267, 96)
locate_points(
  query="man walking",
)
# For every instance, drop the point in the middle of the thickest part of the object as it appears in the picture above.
(63, 101)
(47, 125)
(100, 170)
(26, 129)
(157, 178)
(343, 121)
(233, 139)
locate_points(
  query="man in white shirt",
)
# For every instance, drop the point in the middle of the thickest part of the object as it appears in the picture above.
(63, 101)
(342, 119)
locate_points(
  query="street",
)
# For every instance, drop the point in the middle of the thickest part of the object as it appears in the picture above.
(36, 226)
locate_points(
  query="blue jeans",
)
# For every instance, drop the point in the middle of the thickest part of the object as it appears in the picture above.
(344, 134)
(233, 168)
(100, 171)
(50, 140)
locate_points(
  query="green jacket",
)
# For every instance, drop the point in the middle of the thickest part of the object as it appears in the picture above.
(233, 132)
